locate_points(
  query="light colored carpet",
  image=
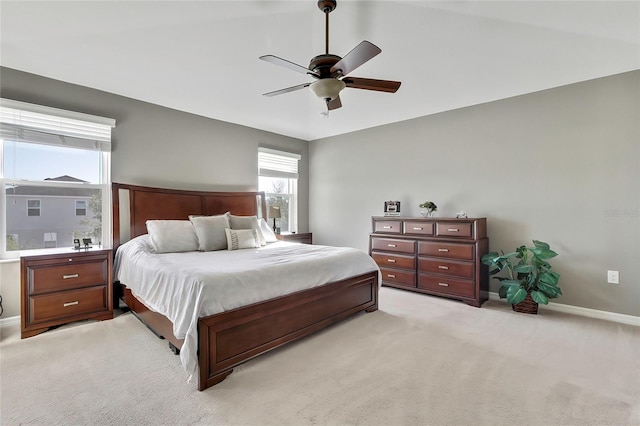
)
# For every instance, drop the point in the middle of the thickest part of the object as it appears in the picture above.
(419, 360)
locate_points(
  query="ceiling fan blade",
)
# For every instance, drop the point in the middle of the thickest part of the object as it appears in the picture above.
(287, 90)
(287, 64)
(334, 104)
(372, 84)
(358, 56)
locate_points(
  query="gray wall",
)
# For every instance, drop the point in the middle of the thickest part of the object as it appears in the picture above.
(561, 166)
(157, 146)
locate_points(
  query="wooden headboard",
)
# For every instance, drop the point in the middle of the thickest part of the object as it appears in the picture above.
(146, 203)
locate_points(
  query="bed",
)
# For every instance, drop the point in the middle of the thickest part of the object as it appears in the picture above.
(243, 330)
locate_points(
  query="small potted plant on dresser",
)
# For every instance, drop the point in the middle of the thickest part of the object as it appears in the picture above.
(427, 208)
(530, 280)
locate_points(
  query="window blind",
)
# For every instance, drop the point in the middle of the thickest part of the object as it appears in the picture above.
(24, 122)
(278, 164)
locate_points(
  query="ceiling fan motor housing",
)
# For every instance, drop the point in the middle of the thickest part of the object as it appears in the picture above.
(321, 65)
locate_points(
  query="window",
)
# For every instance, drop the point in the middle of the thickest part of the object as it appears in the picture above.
(50, 240)
(51, 159)
(81, 208)
(278, 178)
(33, 207)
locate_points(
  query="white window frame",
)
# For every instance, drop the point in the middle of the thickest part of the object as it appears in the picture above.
(282, 164)
(24, 122)
(33, 208)
(86, 207)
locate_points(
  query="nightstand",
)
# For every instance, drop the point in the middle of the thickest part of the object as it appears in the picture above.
(63, 286)
(303, 237)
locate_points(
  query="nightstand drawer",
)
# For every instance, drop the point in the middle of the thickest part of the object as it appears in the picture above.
(394, 261)
(449, 250)
(447, 285)
(66, 304)
(398, 277)
(454, 229)
(45, 279)
(388, 244)
(446, 267)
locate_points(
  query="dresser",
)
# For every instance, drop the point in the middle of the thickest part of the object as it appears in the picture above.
(64, 286)
(437, 256)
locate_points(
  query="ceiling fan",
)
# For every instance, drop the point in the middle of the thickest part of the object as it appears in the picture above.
(331, 71)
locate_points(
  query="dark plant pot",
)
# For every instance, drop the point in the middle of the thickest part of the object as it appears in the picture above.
(527, 306)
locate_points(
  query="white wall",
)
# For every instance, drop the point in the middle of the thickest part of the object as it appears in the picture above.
(561, 166)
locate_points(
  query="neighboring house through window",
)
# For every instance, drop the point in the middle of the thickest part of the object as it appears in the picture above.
(55, 171)
(278, 178)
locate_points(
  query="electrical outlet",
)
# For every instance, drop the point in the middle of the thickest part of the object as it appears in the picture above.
(613, 277)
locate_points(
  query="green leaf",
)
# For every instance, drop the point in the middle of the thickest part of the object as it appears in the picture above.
(502, 292)
(541, 244)
(516, 294)
(524, 269)
(539, 297)
(511, 283)
(549, 277)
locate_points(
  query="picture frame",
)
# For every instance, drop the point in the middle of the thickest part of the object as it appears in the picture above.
(392, 208)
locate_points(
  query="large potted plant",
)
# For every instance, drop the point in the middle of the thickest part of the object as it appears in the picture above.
(530, 280)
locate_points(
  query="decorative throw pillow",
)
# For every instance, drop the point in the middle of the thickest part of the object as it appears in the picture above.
(241, 239)
(210, 231)
(172, 236)
(267, 232)
(247, 222)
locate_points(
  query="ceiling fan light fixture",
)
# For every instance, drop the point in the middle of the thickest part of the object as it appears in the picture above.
(327, 88)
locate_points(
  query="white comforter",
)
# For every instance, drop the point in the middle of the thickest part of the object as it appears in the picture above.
(186, 286)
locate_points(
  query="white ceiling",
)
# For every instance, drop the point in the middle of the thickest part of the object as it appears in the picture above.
(202, 56)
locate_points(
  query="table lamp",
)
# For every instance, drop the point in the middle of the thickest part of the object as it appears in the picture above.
(274, 213)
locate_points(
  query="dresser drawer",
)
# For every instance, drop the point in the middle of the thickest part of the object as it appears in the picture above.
(447, 285)
(44, 279)
(398, 277)
(448, 250)
(454, 229)
(388, 244)
(394, 261)
(65, 304)
(446, 267)
(387, 226)
(418, 228)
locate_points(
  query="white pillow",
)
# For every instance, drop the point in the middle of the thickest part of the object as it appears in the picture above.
(210, 231)
(172, 236)
(246, 222)
(267, 232)
(241, 239)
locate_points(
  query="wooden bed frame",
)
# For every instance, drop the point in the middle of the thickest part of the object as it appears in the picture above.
(229, 338)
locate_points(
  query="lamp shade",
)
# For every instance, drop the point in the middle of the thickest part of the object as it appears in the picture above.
(327, 88)
(274, 212)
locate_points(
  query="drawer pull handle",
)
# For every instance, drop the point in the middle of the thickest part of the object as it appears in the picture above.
(444, 250)
(391, 260)
(70, 303)
(66, 277)
(443, 284)
(390, 276)
(387, 227)
(442, 267)
(417, 229)
(391, 245)
(453, 230)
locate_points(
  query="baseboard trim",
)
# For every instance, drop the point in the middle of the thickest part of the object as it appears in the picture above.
(9, 320)
(585, 312)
